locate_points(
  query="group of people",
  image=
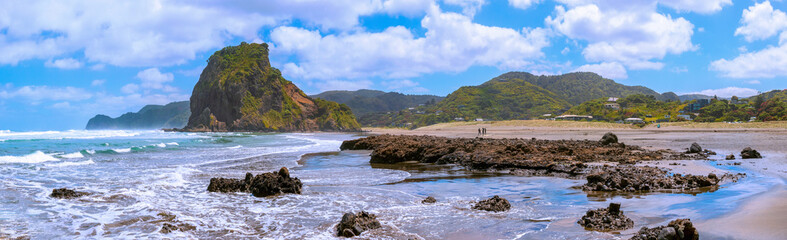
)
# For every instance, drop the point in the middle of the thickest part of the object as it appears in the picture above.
(482, 132)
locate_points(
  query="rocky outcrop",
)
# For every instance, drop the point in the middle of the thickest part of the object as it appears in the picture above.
(262, 185)
(609, 138)
(695, 148)
(750, 153)
(606, 219)
(730, 157)
(563, 158)
(679, 229)
(429, 200)
(494, 204)
(65, 193)
(239, 91)
(172, 227)
(353, 225)
(630, 179)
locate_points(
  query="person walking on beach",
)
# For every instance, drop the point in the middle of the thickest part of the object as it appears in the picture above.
(484, 131)
(479, 132)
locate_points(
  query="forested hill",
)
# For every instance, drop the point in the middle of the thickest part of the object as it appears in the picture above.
(372, 101)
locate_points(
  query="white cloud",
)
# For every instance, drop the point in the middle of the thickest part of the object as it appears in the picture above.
(761, 21)
(399, 84)
(97, 67)
(469, 7)
(152, 78)
(42, 93)
(329, 85)
(62, 105)
(452, 43)
(129, 88)
(609, 70)
(163, 33)
(700, 6)
(522, 4)
(98, 82)
(767, 63)
(565, 51)
(65, 63)
(728, 92)
(680, 69)
(631, 33)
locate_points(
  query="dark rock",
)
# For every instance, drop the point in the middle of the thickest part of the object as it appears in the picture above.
(494, 204)
(171, 227)
(750, 153)
(730, 157)
(429, 199)
(354, 224)
(679, 229)
(606, 219)
(630, 179)
(65, 193)
(695, 148)
(262, 185)
(609, 138)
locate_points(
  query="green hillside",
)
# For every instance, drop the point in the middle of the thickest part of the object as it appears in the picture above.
(580, 87)
(172, 115)
(632, 106)
(364, 101)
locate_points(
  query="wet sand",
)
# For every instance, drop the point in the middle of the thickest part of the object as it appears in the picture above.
(763, 216)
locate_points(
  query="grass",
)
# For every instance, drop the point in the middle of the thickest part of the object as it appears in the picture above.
(537, 123)
(774, 124)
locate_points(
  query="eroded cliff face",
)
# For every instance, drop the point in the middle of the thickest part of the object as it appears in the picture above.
(240, 91)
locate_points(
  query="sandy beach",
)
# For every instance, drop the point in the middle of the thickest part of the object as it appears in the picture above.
(759, 217)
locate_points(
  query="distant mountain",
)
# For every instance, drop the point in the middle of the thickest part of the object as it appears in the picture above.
(580, 87)
(365, 101)
(772, 94)
(173, 115)
(689, 97)
(501, 99)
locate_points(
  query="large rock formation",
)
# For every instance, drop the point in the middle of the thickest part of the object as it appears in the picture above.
(494, 204)
(354, 224)
(262, 185)
(606, 219)
(678, 229)
(750, 153)
(240, 91)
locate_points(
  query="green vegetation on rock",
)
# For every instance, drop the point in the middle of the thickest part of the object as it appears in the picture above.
(239, 91)
(172, 115)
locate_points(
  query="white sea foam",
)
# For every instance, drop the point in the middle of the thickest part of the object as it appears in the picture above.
(91, 152)
(122, 150)
(71, 134)
(173, 144)
(68, 164)
(161, 145)
(36, 157)
(235, 147)
(72, 155)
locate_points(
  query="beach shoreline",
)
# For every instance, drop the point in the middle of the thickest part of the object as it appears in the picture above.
(757, 217)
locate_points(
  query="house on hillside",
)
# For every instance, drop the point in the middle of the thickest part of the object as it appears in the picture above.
(612, 99)
(633, 120)
(459, 119)
(612, 105)
(574, 117)
(685, 117)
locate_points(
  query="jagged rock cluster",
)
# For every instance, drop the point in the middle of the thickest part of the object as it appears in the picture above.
(262, 185)
(630, 178)
(354, 224)
(606, 219)
(65, 193)
(750, 153)
(494, 204)
(679, 229)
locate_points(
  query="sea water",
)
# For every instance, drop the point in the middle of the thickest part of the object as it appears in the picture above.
(136, 178)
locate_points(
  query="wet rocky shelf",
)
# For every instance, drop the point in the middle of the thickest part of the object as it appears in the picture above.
(535, 157)
(262, 185)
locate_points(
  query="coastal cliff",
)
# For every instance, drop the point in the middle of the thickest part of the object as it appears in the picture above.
(172, 115)
(239, 91)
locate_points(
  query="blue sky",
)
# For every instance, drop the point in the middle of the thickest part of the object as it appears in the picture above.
(61, 62)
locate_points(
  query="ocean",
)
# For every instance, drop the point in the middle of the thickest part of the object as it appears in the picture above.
(140, 180)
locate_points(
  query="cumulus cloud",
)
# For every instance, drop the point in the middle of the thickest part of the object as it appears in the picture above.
(399, 84)
(452, 42)
(153, 78)
(758, 22)
(162, 33)
(522, 4)
(98, 82)
(728, 92)
(129, 88)
(611, 70)
(37, 94)
(700, 6)
(65, 63)
(631, 32)
(761, 21)
(469, 7)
